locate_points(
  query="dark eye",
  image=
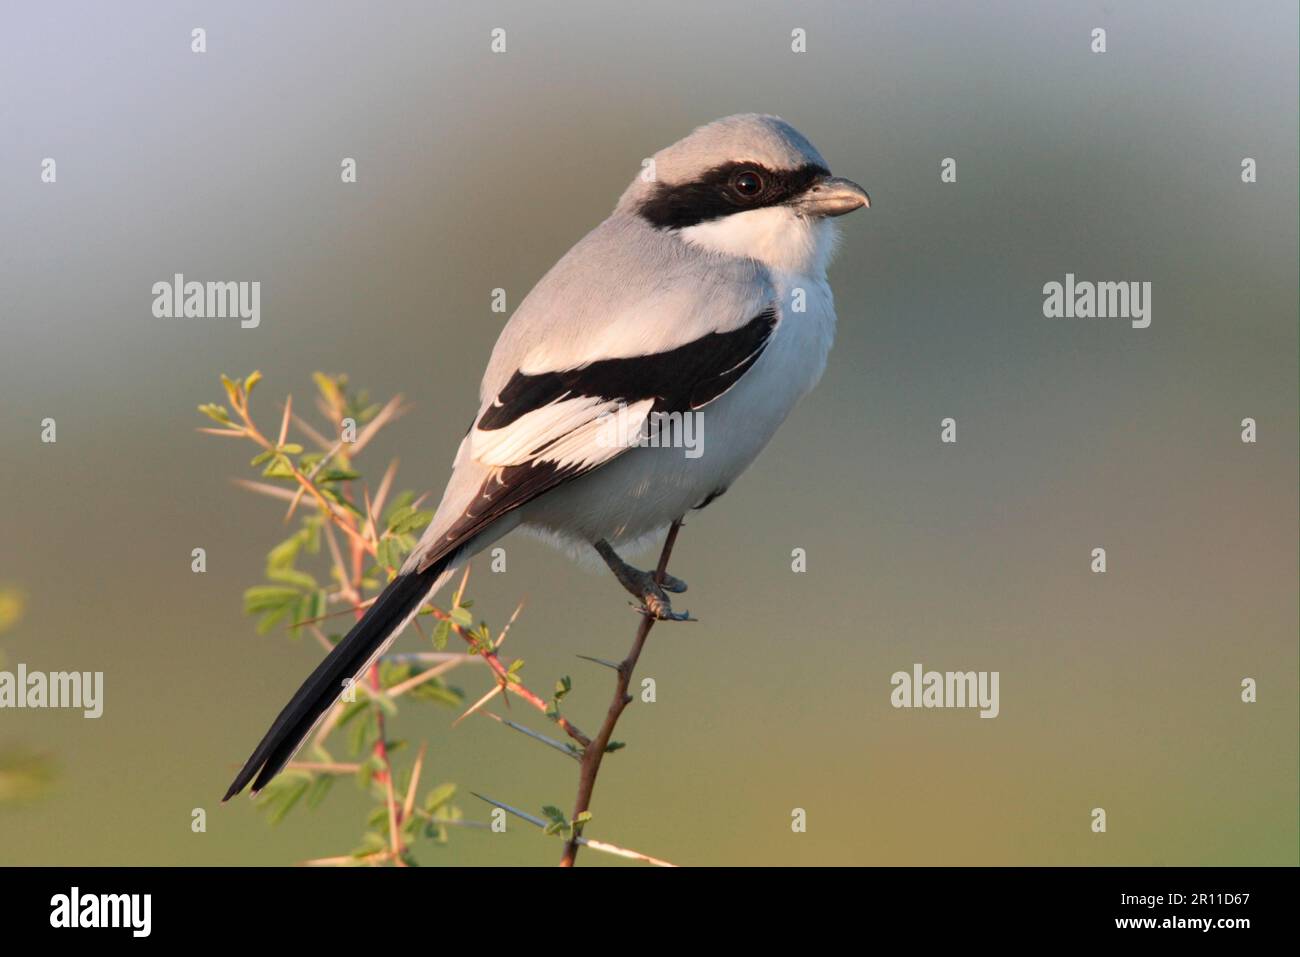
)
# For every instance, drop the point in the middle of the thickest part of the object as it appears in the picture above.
(748, 183)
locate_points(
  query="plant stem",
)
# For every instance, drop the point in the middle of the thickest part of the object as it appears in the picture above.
(595, 752)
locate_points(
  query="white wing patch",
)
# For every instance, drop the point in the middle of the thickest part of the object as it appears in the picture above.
(583, 431)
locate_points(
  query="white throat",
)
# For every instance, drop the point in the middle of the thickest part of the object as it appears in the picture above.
(775, 236)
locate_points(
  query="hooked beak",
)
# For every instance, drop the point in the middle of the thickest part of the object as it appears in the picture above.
(832, 196)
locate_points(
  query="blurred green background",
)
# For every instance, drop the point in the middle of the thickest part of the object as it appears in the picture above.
(478, 171)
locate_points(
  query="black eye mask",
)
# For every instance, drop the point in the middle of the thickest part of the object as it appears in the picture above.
(716, 194)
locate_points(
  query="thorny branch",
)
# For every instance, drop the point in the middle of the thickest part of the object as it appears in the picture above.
(363, 537)
(595, 752)
(595, 845)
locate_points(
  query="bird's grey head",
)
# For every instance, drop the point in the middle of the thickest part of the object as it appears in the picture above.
(748, 185)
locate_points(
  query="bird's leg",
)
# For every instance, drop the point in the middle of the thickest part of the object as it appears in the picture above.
(641, 585)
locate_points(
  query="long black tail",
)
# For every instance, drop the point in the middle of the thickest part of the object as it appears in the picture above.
(393, 606)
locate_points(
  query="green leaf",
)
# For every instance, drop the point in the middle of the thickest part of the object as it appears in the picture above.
(291, 576)
(268, 598)
(436, 832)
(398, 515)
(335, 496)
(448, 812)
(434, 690)
(393, 673)
(271, 619)
(387, 553)
(310, 607)
(319, 788)
(350, 711)
(371, 843)
(311, 532)
(365, 772)
(280, 467)
(216, 412)
(285, 790)
(286, 553)
(410, 827)
(408, 519)
(400, 501)
(444, 812)
(439, 796)
(330, 387)
(387, 704)
(232, 389)
(362, 733)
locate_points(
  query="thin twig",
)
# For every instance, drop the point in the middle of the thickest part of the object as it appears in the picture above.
(417, 680)
(492, 693)
(348, 860)
(515, 687)
(595, 752)
(327, 507)
(409, 804)
(405, 657)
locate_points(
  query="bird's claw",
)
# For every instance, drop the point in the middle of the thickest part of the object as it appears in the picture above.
(657, 606)
(652, 596)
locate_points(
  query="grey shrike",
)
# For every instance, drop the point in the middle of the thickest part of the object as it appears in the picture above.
(703, 294)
